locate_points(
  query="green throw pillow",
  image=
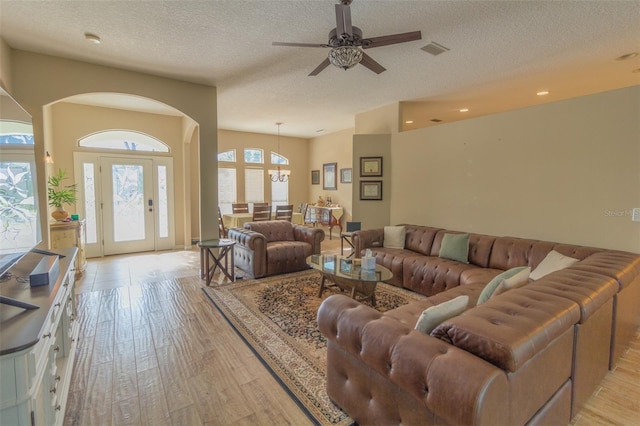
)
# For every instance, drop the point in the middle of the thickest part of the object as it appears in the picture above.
(488, 290)
(435, 315)
(455, 247)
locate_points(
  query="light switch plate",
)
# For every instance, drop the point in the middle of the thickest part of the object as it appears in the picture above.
(635, 215)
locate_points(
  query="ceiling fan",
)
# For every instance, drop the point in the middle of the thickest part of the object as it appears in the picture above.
(346, 43)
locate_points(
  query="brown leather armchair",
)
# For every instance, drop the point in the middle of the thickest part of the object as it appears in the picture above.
(274, 247)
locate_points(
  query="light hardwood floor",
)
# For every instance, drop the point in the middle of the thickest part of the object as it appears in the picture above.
(152, 353)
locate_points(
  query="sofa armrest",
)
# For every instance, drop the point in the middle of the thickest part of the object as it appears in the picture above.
(367, 238)
(313, 236)
(250, 252)
(432, 371)
(244, 237)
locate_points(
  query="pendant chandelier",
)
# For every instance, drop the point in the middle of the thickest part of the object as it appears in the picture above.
(279, 175)
(345, 57)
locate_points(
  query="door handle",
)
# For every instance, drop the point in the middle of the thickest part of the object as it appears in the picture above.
(150, 204)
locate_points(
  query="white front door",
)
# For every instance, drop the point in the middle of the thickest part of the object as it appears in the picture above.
(127, 202)
(128, 205)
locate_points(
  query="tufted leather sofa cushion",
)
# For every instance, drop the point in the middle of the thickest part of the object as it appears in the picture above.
(479, 247)
(587, 289)
(509, 330)
(622, 266)
(273, 230)
(419, 239)
(510, 252)
(431, 275)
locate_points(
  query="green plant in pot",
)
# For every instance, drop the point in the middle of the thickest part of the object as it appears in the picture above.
(60, 194)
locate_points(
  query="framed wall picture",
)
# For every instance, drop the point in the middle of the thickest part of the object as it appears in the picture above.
(315, 177)
(370, 166)
(371, 190)
(329, 176)
(345, 176)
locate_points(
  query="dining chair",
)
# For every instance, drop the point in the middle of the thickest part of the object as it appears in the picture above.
(284, 212)
(260, 204)
(240, 208)
(221, 228)
(261, 213)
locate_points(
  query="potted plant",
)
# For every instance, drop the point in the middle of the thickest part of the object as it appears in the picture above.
(60, 194)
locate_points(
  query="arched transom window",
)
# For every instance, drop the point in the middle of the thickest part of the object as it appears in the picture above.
(123, 140)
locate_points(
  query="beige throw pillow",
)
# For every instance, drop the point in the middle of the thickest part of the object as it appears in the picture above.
(435, 315)
(394, 237)
(518, 280)
(554, 261)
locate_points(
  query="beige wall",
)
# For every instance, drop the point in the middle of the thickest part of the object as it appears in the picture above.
(567, 171)
(295, 149)
(5, 66)
(39, 80)
(373, 213)
(70, 122)
(332, 148)
(385, 119)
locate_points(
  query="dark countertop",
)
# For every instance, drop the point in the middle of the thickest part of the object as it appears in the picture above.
(19, 328)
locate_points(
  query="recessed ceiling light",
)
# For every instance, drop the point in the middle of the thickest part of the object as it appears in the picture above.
(408, 122)
(542, 93)
(92, 38)
(627, 56)
(464, 110)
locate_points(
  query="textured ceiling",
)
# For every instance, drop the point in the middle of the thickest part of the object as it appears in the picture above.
(501, 53)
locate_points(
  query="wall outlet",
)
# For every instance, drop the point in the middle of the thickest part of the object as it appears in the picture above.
(635, 214)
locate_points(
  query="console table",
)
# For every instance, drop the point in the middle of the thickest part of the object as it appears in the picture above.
(328, 216)
(37, 347)
(71, 234)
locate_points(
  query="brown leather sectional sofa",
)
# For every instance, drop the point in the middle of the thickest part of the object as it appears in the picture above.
(274, 247)
(531, 355)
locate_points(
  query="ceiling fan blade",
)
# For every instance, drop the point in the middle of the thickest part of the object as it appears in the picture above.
(368, 43)
(368, 62)
(320, 67)
(343, 19)
(282, 43)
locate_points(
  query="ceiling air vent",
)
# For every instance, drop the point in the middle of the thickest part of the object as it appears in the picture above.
(434, 48)
(436, 120)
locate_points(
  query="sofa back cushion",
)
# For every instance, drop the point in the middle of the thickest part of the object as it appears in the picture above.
(273, 230)
(479, 247)
(420, 238)
(511, 252)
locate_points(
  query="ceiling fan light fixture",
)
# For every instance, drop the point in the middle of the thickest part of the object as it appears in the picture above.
(345, 57)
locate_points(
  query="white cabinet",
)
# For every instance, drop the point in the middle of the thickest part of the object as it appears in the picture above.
(37, 347)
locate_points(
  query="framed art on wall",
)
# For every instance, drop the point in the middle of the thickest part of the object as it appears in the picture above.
(345, 175)
(315, 177)
(329, 176)
(370, 166)
(371, 190)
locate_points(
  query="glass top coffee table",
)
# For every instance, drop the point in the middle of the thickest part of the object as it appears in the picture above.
(348, 276)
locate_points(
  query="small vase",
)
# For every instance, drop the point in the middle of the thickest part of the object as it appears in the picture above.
(59, 214)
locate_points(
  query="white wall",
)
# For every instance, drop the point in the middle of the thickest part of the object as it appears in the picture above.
(566, 171)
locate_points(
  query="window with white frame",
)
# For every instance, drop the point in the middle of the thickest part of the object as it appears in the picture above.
(254, 185)
(227, 194)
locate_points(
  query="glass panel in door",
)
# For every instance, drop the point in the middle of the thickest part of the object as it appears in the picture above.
(128, 205)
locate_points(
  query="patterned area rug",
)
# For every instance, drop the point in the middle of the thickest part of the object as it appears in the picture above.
(276, 317)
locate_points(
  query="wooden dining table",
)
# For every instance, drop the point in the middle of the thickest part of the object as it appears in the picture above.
(237, 220)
